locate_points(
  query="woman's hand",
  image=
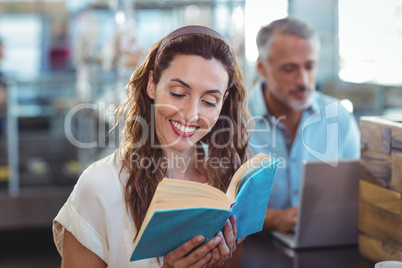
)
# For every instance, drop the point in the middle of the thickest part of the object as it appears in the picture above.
(213, 254)
(227, 246)
(198, 258)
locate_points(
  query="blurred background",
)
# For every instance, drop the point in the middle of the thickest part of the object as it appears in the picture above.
(64, 66)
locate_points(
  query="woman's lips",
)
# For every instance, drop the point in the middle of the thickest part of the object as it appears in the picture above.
(183, 130)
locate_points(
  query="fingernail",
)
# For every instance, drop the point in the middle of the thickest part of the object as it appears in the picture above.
(220, 234)
(200, 238)
(217, 240)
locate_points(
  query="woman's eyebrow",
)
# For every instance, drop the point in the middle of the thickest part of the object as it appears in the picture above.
(211, 91)
(181, 82)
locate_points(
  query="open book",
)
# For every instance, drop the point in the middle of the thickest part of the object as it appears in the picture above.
(181, 210)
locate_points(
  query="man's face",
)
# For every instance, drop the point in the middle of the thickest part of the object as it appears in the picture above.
(290, 70)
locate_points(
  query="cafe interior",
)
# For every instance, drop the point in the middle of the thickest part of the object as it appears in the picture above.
(64, 65)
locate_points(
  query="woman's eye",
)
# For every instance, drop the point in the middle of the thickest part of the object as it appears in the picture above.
(210, 102)
(176, 95)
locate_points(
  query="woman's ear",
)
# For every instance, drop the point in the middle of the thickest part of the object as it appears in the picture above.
(151, 85)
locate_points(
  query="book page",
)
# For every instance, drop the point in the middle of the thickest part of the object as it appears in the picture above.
(174, 194)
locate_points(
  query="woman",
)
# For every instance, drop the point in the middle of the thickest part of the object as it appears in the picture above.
(185, 109)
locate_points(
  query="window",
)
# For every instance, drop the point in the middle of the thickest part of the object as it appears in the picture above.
(257, 14)
(370, 41)
(21, 35)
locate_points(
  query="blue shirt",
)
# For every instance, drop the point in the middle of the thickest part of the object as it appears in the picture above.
(327, 131)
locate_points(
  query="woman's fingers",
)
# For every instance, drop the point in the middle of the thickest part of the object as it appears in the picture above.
(200, 252)
(198, 258)
(224, 249)
(212, 254)
(178, 253)
(230, 232)
(216, 256)
(202, 263)
(233, 221)
(202, 255)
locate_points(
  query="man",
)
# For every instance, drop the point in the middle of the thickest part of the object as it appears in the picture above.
(294, 122)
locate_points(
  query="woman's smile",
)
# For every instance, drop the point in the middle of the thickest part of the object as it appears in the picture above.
(181, 130)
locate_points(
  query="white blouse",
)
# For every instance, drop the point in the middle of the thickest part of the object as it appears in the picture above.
(95, 213)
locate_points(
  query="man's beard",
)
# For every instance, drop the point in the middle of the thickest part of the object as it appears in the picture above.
(301, 106)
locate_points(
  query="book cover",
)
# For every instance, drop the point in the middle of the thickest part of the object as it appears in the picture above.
(181, 210)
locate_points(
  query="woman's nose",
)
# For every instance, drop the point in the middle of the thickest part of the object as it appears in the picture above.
(191, 111)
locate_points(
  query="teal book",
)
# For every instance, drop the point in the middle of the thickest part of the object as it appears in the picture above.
(181, 210)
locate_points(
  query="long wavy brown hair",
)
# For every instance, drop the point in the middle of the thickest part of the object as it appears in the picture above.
(230, 144)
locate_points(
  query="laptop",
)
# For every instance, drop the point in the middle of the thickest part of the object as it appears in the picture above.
(328, 206)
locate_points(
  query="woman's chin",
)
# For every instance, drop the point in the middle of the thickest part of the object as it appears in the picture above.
(179, 145)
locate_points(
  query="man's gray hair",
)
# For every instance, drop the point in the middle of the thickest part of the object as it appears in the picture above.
(289, 25)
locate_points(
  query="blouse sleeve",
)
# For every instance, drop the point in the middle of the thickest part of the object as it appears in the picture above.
(84, 213)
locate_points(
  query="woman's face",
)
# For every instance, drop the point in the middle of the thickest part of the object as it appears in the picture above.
(188, 100)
